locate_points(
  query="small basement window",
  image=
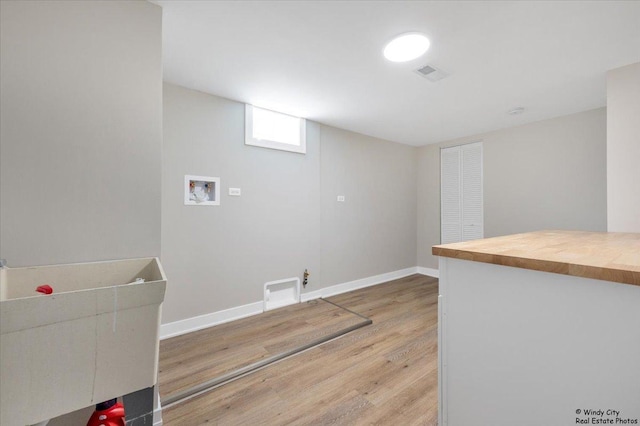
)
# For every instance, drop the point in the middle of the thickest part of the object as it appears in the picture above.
(270, 129)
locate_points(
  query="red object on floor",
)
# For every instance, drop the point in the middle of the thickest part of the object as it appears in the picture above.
(109, 413)
(45, 289)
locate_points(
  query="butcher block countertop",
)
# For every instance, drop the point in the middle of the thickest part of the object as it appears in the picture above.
(609, 256)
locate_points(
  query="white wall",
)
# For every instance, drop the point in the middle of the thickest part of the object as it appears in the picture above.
(80, 132)
(287, 218)
(623, 149)
(545, 175)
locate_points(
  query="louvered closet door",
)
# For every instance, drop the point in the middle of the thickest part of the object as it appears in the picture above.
(472, 217)
(461, 198)
(450, 194)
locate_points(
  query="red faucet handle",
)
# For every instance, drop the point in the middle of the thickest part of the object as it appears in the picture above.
(44, 289)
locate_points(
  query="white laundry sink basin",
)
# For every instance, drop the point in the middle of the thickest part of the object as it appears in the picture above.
(94, 338)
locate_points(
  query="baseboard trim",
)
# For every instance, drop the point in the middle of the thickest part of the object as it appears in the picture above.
(188, 325)
(357, 284)
(157, 414)
(429, 271)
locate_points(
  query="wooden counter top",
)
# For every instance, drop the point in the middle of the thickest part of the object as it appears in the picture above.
(609, 256)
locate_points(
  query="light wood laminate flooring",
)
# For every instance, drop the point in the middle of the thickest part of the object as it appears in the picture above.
(383, 374)
(205, 355)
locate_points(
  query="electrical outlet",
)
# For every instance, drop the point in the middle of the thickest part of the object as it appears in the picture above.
(236, 192)
(341, 198)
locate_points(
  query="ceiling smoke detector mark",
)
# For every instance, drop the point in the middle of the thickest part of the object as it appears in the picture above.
(516, 111)
(432, 73)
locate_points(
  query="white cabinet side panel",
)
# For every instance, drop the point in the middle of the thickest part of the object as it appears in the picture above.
(531, 348)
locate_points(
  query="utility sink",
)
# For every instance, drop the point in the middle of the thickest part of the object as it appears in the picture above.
(93, 339)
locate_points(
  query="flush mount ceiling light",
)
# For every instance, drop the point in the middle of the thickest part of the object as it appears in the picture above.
(406, 47)
(515, 111)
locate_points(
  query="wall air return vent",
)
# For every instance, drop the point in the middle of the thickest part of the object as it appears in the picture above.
(432, 73)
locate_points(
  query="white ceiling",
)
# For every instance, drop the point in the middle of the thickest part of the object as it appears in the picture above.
(323, 60)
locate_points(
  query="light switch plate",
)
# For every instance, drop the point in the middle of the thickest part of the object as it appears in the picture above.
(341, 198)
(236, 192)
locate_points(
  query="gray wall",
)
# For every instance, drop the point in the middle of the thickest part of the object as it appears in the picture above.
(81, 131)
(374, 230)
(623, 149)
(545, 175)
(287, 218)
(218, 257)
(81, 156)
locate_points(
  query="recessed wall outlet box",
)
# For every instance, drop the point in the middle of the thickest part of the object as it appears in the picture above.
(236, 192)
(281, 293)
(341, 198)
(201, 191)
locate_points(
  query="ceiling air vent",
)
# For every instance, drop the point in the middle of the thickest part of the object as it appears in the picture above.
(432, 73)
